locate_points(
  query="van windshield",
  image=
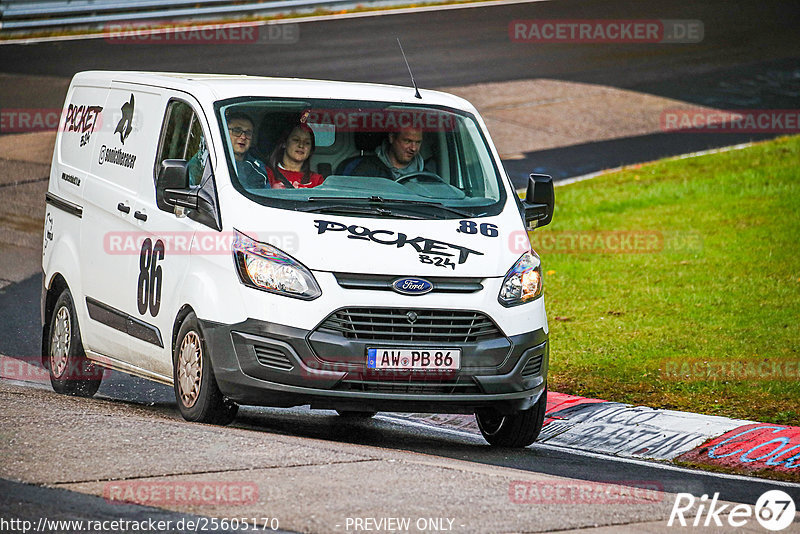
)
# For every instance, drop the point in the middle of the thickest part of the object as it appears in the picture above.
(356, 157)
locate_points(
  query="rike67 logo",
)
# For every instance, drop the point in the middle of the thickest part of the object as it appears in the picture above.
(774, 510)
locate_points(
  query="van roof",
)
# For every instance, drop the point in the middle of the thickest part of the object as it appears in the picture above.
(223, 86)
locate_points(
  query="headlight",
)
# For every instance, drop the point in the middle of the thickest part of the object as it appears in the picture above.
(265, 267)
(523, 281)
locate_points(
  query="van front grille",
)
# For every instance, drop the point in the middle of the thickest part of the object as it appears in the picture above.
(394, 324)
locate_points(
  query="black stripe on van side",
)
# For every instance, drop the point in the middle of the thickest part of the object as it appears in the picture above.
(66, 205)
(123, 322)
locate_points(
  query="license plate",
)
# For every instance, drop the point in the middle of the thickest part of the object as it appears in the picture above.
(414, 359)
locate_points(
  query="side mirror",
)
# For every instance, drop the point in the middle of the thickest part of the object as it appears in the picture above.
(539, 201)
(172, 186)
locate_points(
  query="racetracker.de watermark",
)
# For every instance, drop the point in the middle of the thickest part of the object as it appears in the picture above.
(78, 118)
(711, 370)
(213, 34)
(781, 121)
(152, 493)
(389, 120)
(202, 243)
(589, 242)
(586, 31)
(29, 369)
(556, 492)
(23, 120)
(417, 374)
(606, 242)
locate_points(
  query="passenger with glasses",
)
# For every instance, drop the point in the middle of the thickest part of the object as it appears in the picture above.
(252, 172)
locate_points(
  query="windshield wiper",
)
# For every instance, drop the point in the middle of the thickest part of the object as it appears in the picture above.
(438, 205)
(380, 200)
(350, 209)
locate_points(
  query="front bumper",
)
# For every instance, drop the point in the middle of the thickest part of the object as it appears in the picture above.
(261, 363)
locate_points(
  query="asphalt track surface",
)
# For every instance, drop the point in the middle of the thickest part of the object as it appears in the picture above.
(464, 46)
(749, 58)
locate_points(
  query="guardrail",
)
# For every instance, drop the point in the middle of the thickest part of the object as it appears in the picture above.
(34, 14)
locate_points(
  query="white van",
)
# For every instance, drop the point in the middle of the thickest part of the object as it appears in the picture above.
(286, 242)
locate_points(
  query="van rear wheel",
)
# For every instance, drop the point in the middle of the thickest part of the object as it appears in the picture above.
(71, 372)
(199, 398)
(513, 431)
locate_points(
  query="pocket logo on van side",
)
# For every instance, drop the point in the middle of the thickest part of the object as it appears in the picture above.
(412, 286)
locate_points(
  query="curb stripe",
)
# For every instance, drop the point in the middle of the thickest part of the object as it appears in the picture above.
(632, 431)
(753, 447)
(560, 401)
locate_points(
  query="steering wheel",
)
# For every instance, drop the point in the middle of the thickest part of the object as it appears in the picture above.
(421, 174)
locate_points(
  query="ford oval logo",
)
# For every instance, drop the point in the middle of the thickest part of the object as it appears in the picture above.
(412, 286)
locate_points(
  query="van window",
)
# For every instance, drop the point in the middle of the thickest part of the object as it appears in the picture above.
(415, 161)
(182, 138)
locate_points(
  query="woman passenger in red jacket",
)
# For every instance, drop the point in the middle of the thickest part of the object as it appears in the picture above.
(290, 161)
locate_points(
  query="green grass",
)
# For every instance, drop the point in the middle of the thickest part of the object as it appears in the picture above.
(719, 282)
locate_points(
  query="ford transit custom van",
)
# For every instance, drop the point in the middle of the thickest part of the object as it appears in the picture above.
(284, 242)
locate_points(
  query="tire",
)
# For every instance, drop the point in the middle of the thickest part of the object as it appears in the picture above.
(71, 373)
(199, 398)
(350, 414)
(513, 431)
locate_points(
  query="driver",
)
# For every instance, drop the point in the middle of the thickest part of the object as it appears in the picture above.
(396, 157)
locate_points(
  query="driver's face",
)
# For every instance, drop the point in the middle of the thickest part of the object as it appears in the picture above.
(404, 146)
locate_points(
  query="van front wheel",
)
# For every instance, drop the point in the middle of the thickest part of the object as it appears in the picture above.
(516, 430)
(199, 398)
